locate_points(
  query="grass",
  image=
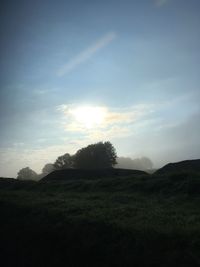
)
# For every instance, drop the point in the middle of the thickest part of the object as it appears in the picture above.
(151, 220)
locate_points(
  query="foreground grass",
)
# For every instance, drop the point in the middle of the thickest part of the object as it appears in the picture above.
(129, 221)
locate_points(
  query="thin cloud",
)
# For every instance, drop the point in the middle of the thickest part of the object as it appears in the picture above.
(117, 123)
(160, 3)
(87, 53)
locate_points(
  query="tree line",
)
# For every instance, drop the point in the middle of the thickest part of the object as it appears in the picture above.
(95, 156)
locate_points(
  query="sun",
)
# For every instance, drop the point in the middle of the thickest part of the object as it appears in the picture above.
(89, 117)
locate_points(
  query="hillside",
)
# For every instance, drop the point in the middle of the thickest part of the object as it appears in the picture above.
(182, 166)
(145, 220)
(67, 174)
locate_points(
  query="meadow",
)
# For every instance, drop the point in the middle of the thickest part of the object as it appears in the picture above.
(145, 220)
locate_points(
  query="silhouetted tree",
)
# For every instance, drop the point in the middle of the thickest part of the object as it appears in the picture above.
(27, 174)
(64, 162)
(49, 167)
(96, 156)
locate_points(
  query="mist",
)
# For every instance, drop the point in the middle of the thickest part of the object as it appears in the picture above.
(143, 163)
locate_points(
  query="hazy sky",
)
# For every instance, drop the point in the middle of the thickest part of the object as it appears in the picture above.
(77, 72)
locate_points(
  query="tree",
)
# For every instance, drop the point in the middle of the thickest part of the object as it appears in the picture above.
(27, 174)
(49, 167)
(64, 162)
(96, 156)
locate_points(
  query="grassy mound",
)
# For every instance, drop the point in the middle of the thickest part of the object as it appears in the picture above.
(179, 167)
(67, 174)
(148, 220)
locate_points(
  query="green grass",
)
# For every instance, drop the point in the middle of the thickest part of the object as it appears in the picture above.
(151, 220)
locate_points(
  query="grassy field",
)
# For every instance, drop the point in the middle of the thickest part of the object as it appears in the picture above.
(149, 220)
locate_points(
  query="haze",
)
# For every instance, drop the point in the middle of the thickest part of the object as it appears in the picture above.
(77, 72)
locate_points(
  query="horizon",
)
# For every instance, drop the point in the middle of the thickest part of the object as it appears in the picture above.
(115, 167)
(75, 73)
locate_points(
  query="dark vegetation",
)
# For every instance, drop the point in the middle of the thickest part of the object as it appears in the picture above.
(67, 174)
(134, 219)
(95, 156)
(182, 166)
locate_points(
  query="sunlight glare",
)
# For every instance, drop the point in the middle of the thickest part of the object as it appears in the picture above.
(90, 117)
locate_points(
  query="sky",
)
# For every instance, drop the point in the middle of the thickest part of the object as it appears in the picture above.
(77, 72)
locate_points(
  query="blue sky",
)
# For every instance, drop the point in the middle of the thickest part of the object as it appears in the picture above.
(137, 61)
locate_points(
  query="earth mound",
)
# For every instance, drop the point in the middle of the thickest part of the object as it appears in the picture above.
(182, 166)
(67, 174)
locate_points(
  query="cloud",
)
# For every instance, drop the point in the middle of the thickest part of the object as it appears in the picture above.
(160, 3)
(87, 53)
(116, 123)
(113, 132)
(18, 144)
